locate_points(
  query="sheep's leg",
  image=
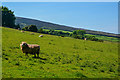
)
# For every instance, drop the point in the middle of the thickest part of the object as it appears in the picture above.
(34, 55)
(37, 54)
(26, 54)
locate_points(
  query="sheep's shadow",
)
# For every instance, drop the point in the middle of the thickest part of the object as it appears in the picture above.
(39, 58)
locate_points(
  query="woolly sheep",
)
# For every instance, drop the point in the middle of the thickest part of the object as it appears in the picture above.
(30, 48)
(40, 35)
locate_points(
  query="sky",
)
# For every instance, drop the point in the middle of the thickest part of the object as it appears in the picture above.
(60, 0)
(100, 16)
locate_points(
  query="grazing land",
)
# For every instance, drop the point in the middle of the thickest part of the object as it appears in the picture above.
(60, 57)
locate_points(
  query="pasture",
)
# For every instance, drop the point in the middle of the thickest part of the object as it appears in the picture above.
(60, 57)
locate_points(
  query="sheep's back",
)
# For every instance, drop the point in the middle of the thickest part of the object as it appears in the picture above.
(33, 47)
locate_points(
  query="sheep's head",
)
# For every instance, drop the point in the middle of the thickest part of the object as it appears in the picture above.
(24, 44)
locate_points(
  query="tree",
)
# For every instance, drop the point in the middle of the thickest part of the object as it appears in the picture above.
(40, 30)
(32, 28)
(17, 26)
(51, 31)
(8, 17)
(46, 32)
(75, 32)
(79, 34)
(25, 28)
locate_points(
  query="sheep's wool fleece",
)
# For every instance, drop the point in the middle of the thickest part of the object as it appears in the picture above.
(31, 48)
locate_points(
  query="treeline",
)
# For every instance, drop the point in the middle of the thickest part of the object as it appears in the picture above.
(53, 32)
(77, 34)
(33, 28)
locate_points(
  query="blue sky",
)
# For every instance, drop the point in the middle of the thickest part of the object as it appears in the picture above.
(100, 16)
(60, 0)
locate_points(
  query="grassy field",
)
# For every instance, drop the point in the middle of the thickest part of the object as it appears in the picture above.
(60, 57)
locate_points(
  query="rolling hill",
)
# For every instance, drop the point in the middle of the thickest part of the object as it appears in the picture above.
(60, 57)
(47, 25)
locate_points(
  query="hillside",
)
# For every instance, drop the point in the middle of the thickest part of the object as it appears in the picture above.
(47, 25)
(60, 57)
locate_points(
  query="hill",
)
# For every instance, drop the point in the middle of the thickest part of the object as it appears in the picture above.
(47, 25)
(60, 57)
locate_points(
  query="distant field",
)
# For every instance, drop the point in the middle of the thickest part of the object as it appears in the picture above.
(105, 38)
(58, 30)
(60, 57)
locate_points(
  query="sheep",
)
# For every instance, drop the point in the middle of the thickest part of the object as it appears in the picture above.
(30, 48)
(40, 35)
(22, 31)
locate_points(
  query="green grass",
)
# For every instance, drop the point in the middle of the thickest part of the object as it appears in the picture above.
(58, 30)
(60, 57)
